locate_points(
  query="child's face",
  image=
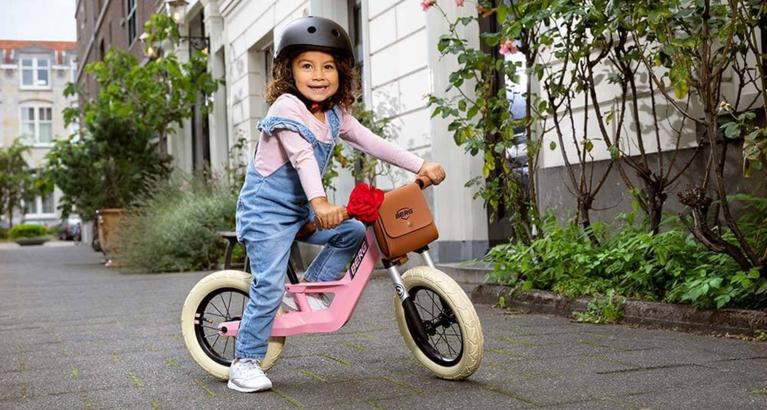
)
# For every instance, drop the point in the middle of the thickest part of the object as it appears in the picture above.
(316, 75)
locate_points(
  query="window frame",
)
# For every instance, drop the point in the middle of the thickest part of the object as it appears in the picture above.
(130, 20)
(36, 58)
(34, 139)
(38, 204)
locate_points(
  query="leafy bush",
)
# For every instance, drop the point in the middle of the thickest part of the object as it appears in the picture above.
(670, 266)
(176, 229)
(27, 231)
(3, 233)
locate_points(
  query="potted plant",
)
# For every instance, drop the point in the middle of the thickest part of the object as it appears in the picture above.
(29, 234)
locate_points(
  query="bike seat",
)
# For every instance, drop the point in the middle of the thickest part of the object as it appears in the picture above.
(306, 230)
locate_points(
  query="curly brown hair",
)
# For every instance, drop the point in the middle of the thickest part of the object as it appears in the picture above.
(282, 79)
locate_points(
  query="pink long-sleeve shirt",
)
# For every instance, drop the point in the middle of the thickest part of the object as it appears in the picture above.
(284, 145)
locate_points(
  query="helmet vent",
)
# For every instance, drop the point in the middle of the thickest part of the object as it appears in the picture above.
(311, 29)
(335, 33)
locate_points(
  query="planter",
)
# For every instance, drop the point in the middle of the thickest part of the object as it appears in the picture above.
(109, 230)
(31, 241)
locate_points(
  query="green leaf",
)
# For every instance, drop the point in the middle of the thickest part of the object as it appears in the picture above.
(614, 152)
(491, 39)
(501, 14)
(680, 89)
(552, 145)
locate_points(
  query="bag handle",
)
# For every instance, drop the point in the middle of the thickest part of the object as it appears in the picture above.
(423, 182)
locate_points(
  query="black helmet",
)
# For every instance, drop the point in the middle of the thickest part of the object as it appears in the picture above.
(314, 32)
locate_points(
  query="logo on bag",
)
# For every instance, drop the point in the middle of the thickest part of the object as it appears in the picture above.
(403, 213)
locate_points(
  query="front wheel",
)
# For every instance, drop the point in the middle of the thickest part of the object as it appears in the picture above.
(219, 297)
(453, 350)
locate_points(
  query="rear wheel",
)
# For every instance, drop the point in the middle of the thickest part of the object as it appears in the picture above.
(219, 297)
(453, 348)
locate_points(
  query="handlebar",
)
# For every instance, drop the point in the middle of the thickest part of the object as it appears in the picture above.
(423, 182)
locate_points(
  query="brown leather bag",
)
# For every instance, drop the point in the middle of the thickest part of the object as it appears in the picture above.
(405, 222)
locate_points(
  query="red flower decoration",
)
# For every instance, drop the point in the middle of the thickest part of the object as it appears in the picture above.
(364, 202)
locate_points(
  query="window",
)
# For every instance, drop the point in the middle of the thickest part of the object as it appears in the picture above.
(40, 205)
(516, 93)
(37, 124)
(355, 31)
(73, 66)
(131, 21)
(35, 72)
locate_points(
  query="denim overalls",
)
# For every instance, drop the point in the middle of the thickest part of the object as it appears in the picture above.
(270, 211)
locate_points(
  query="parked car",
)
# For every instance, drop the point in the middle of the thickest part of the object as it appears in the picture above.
(71, 229)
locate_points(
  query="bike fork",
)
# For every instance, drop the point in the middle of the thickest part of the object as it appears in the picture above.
(413, 319)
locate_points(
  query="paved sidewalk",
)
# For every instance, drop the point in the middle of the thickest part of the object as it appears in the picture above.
(77, 335)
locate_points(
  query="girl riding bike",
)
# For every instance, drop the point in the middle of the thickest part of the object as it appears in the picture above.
(314, 87)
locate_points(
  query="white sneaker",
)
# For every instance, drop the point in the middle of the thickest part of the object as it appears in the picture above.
(316, 301)
(245, 375)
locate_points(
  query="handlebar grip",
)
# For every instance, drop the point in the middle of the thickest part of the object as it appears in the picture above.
(310, 227)
(423, 182)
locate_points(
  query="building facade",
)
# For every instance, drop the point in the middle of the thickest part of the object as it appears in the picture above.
(103, 24)
(119, 24)
(394, 43)
(396, 49)
(35, 74)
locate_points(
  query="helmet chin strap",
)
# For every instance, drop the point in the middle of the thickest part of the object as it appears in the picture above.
(314, 106)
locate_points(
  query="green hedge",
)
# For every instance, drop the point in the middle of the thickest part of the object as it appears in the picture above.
(176, 230)
(631, 262)
(27, 231)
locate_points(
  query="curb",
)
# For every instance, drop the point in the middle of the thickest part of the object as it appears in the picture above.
(654, 314)
(471, 272)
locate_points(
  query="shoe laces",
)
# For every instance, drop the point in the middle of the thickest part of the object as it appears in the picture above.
(250, 365)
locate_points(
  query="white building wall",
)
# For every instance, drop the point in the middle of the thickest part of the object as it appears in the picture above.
(463, 220)
(402, 67)
(13, 97)
(405, 67)
(670, 120)
(585, 124)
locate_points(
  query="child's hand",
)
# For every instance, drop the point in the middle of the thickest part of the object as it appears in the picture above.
(328, 215)
(433, 171)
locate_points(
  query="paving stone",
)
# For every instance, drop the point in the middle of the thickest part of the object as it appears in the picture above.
(78, 335)
(719, 395)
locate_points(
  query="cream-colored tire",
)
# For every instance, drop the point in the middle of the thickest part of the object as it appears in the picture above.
(455, 366)
(227, 281)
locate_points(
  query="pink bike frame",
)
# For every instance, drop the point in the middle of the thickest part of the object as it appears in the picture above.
(346, 291)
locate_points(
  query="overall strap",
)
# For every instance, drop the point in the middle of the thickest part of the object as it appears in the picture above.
(334, 116)
(271, 124)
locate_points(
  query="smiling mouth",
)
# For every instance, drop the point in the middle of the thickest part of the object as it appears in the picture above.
(318, 88)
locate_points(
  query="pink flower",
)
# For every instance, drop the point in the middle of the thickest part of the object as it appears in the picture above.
(508, 47)
(459, 3)
(425, 4)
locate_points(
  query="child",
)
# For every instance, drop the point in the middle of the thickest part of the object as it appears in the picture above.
(312, 92)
